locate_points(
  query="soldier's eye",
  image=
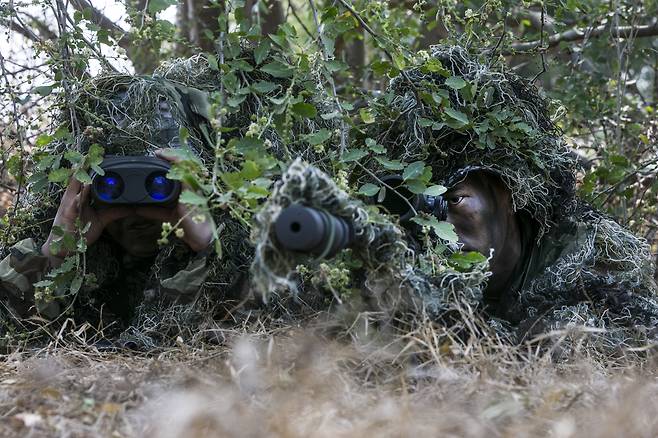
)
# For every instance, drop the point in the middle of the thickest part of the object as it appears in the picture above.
(454, 200)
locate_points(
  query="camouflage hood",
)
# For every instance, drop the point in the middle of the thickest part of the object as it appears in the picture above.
(134, 115)
(459, 112)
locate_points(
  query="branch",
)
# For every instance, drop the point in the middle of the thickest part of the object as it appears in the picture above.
(26, 32)
(577, 34)
(99, 19)
(43, 28)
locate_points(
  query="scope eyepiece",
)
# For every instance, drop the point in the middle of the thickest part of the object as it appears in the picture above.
(134, 180)
(400, 200)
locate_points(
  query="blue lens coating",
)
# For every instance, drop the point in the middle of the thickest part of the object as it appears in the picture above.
(158, 186)
(109, 186)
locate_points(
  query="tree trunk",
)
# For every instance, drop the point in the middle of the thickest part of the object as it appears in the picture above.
(270, 12)
(198, 24)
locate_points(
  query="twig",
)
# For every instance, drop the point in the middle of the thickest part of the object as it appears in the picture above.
(326, 55)
(541, 45)
(98, 18)
(500, 39)
(577, 34)
(376, 37)
(89, 44)
(299, 20)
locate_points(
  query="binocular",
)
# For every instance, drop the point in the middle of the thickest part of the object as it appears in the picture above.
(134, 180)
(400, 200)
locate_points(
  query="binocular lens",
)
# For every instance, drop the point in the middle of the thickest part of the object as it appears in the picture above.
(158, 186)
(109, 186)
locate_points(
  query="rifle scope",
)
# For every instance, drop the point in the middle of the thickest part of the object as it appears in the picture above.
(308, 230)
(399, 201)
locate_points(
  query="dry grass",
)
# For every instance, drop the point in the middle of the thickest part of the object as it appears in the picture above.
(293, 384)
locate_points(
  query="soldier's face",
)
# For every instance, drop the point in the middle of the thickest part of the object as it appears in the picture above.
(480, 208)
(136, 235)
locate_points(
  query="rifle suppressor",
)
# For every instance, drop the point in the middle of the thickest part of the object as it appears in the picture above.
(312, 231)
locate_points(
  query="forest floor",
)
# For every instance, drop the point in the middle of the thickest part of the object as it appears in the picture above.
(292, 384)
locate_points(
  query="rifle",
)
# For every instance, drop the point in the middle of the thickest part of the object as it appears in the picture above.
(317, 232)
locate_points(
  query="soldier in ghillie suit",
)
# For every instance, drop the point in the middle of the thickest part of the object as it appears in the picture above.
(226, 140)
(485, 135)
(118, 274)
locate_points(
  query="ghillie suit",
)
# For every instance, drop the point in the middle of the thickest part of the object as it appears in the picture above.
(459, 113)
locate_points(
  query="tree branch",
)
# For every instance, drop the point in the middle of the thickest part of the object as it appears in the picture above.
(99, 19)
(43, 28)
(577, 34)
(26, 32)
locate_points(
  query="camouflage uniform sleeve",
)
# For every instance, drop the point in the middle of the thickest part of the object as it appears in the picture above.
(24, 266)
(183, 286)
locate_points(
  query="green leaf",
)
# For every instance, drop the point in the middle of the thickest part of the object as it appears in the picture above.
(435, 190)
(73, 156)
(354, 155)
(335, 65)
(318, 137)
(455, 82)
(459, 116)
(155, 6)
(261, 51)
(366, 116)
(59, 175)
(76, 284)
(433, 65)
(374, 146)
(416, 186)
(465, 261)
(331, 115)
(190, 198)
(250, 170)
(212, 62)
(263, 86)
(82, 176)
(424, 123)
(369, 189)
(413, 170)
(304, 109)
(44, 90)
(444, 230)
(522, 126)
(390, 164)
(277, 69)
(44, 140)
(398, 61)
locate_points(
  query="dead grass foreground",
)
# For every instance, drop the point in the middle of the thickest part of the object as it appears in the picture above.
(291, 384)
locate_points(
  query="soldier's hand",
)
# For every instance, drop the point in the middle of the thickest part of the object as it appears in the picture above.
(197, 227)
(75, 205)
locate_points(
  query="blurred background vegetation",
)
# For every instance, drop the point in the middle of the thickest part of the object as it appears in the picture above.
(596, 59)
